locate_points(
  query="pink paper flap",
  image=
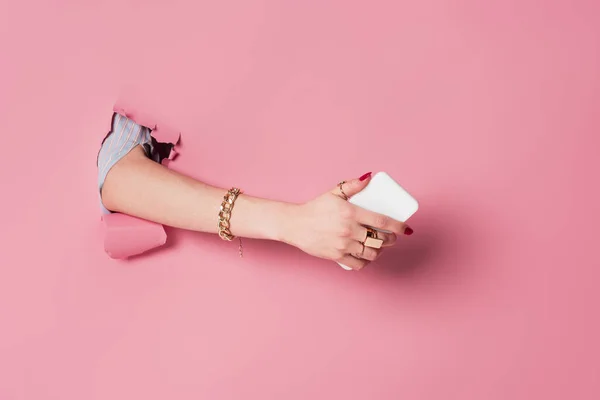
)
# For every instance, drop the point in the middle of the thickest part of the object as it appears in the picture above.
(166, 134)
(139, 117)
(173, 153)
(160, 130)
(126, 236)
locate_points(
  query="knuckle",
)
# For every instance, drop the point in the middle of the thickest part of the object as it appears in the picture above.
(370, 254)
(389, 239)
(377, 254)
(340, 245)
(351, 182)
(346, 210)
(362, 264)
(346, 230)
(382, 221)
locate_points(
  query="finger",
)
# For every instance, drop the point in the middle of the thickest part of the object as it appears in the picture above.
(381, 222)
(359, 250)
(353, 262)
(353, 186)
(359, 234)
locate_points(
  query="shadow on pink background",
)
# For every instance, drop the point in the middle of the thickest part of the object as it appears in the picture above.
(487, 113)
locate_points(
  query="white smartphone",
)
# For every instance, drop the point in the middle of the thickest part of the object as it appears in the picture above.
(385, 196)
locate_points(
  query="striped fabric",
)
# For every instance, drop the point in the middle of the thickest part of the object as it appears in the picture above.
(124, 136)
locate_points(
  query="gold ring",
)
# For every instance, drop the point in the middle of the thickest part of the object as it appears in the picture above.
(342, 190)
(371, 240)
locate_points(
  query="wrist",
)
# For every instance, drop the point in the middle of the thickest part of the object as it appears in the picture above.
(259, 218)
(284, 217)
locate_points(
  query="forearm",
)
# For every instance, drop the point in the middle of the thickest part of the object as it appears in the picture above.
(140, 187)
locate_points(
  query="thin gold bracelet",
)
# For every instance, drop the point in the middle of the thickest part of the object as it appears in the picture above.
(224, 224)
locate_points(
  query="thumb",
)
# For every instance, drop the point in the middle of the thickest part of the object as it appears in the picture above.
(353, 186)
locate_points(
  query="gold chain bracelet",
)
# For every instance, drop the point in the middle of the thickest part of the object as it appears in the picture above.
(224, 224)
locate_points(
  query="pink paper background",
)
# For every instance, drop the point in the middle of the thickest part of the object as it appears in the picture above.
(488, 112)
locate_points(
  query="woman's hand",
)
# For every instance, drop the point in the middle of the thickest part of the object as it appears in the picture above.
(329, 227)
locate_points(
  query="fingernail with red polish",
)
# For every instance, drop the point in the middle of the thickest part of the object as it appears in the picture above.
(365, 176)
(408, 230)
